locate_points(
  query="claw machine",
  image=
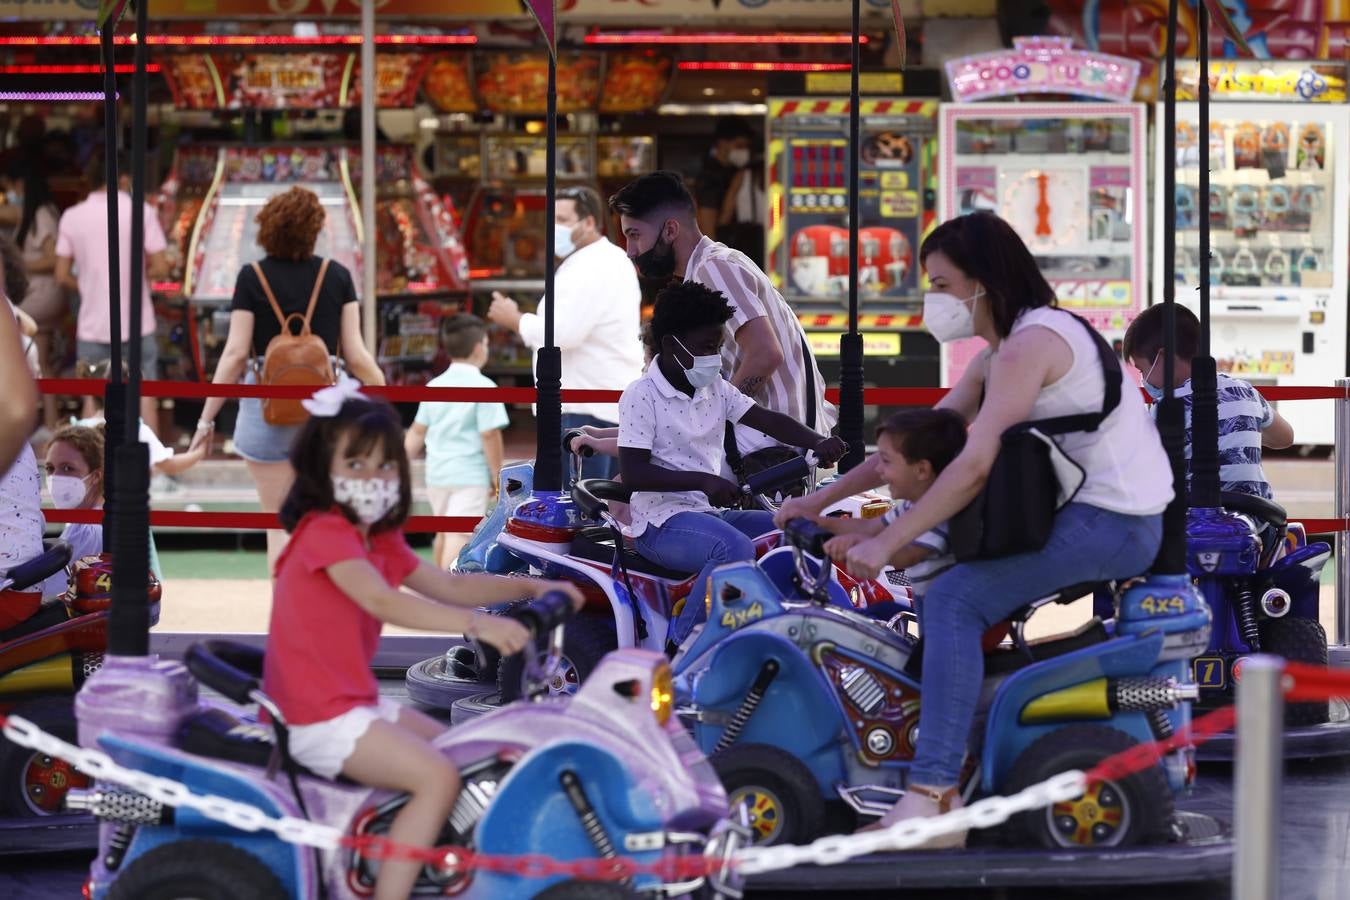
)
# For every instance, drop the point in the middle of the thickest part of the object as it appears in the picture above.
(1069, 175)
(1278, 219)
(808, 235)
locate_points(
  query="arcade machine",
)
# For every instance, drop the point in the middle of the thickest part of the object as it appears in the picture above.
(807, 244)
(1068, 176)
(1278, 219)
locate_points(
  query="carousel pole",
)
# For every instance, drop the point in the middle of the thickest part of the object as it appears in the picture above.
(851, 344)
(129, 618)
(369, 300)
(548, 367)
(1205, 490)
(114, 392)
(1171, 558)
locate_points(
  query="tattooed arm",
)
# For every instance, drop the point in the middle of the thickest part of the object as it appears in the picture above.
(760, 354)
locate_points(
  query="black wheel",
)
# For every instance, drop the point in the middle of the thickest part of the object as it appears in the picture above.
(1136, 809)
(440, 681)
(1302, 641)
(587, 638)
(473, 706)
(33, 784)
(779, 791)
(588, 890)
(202, 870)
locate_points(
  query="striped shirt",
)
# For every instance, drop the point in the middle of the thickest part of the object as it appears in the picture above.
(752, 296)
(1243, 412)
(940, 558)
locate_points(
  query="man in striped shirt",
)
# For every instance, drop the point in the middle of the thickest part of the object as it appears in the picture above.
(1246, 421)
(766, 355)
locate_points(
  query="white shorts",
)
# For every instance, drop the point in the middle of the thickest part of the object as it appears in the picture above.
(472, 500)
(322, 747)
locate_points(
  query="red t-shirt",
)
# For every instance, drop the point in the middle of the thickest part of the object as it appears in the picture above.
(320, 642)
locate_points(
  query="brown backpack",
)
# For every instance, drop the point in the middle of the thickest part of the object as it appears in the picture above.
(293, 359)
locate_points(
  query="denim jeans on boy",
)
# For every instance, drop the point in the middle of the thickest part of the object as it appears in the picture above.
(1087, 544)
(695, 541)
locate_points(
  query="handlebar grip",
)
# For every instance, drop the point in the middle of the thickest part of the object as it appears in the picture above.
(544, 613)
(585, 452)
(778, 476)
(807, 536)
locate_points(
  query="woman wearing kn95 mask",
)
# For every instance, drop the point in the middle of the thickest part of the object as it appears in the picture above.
(1038, 362)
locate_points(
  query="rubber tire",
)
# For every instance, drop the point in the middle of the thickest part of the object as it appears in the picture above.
(473, 706)
(54, 715)
(207, 870)
(749, 765)
(586, 640)
(429, 688)
(1298, 640)
(1149, 797)
(588, 890)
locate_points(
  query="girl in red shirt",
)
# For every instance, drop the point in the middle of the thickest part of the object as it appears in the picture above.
(337, 581)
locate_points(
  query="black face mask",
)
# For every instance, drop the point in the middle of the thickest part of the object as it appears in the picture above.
(658, 262)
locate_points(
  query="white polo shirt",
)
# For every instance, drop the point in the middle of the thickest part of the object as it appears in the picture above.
(595, 326)
(683, 433)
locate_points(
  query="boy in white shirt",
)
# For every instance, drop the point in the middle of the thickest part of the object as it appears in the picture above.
(672, 422)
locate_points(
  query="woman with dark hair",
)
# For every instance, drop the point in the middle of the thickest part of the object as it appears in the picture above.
(26, 188)
(1039, 362)
(288, 227)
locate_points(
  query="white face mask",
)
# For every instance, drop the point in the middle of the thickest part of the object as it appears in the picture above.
(67, 491)
(370, 498)
(740, 157)
(949, 318)
(703, 371)
(562, 240)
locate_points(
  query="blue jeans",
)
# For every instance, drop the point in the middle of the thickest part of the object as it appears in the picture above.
(690, 541)
(597, 466)
(1087, 544)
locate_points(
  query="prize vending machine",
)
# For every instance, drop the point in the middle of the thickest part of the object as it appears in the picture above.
(808, 234)
(1277, 212)
(1069, 176)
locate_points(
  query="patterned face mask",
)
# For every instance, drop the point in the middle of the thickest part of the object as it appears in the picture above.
(370, 498)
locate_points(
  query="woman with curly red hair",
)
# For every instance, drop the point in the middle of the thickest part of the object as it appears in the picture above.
(288, 226)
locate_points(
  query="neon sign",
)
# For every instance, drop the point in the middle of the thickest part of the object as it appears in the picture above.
(1042, 65)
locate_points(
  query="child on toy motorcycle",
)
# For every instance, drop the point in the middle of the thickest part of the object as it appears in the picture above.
(913, 447)
(672, 422)
(336, 582)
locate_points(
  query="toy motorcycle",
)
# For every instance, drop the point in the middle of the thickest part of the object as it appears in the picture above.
(799, 703)
(605, 771)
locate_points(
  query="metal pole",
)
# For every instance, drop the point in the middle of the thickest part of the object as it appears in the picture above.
(114, 396)
(369, 308)
(548, 366)
(1205, 484)
(1259, 774)
(851, 344)
(1342, 457)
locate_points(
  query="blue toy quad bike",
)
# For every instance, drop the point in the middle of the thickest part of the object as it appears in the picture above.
(804, 707)
(603, 772)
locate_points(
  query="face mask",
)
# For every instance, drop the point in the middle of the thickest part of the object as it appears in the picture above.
(562, 240)
(703, 371)
(950, 318)
(67, 491)
(658, 262)
(740, 157)
(1155, 393)
(370, 498)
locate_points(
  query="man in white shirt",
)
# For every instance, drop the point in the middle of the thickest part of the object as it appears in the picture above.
(596, 323)
(765, 355)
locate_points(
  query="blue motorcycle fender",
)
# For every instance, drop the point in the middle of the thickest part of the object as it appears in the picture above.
(531, 813)
(481, 553)
(291, 863)
(1299, 575)
(798, 713)
(1006, 737)
(741, 595)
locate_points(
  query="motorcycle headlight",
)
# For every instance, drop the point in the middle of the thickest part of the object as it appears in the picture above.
(663, 693)
(707, 600)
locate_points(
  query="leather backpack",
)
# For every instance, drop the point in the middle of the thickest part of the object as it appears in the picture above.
(293, 359)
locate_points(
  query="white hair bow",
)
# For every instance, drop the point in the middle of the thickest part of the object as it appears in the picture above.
(328, 402)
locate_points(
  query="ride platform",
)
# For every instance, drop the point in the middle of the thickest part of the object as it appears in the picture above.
(1331, 738)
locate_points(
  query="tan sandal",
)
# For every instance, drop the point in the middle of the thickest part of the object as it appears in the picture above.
(921, 801)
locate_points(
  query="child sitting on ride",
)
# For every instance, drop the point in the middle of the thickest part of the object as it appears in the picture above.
(1246, 421)
(336, 582)
(672, 422)
(913, 447)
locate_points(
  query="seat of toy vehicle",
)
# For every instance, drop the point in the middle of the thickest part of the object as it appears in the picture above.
(215, 733)
(1005, 661)
(591, 495)
(597, 544)
(1063, 595)
(1268, 512)
(48, 614)
(55, 556)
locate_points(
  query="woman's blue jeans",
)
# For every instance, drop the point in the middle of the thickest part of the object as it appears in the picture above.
(1086, 544)
(697, 541)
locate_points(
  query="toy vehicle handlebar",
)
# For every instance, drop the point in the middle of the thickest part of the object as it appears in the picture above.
(591, 495)
(55, 556)
(586, 451)
(544, 613)
(777, 476)
(807, 536)
(1260, 508)
(228, 667)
